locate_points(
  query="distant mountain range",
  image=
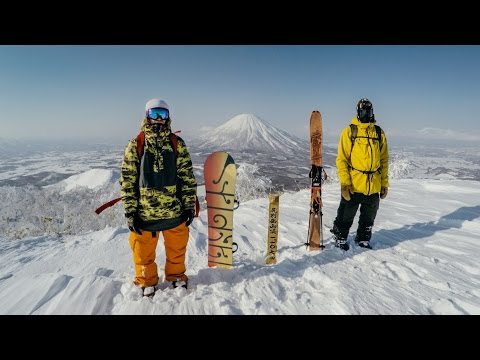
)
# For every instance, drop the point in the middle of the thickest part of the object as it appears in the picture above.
(10, 147)
(281, 157)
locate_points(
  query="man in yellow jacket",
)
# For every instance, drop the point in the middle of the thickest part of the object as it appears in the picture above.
(158, 191)
(362, 165)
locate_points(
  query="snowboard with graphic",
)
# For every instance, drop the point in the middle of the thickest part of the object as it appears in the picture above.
(272, 237)
(317, 175)
(220, 175)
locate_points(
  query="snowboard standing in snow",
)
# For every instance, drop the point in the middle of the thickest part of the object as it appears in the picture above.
(272, 237)
(220, 175)
(317, 174)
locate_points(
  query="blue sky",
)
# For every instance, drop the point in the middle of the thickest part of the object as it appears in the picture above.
(100, 91)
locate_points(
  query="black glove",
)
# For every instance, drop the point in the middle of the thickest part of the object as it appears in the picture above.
(133, 222)
(188, 215)
(383, 193)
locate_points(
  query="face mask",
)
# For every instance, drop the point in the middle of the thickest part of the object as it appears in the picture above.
(156, 126)
(365, 115)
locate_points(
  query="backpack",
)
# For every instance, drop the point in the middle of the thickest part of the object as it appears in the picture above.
(140, 148)
(353, 136)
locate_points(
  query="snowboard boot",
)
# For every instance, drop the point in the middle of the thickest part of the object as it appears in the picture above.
(340, 241)
(180, 283)
(363, 244)
(363, 237)
(149, 291)
(342, 244)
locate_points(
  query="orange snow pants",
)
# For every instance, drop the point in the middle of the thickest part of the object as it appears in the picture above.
(144, 247)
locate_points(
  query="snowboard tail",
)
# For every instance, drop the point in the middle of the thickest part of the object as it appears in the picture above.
(220, 181)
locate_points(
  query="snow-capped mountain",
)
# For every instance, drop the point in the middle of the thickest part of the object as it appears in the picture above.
(248, 132)
(279, 156)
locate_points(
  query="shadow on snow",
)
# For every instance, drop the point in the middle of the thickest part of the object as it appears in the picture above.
(247, 269)
(426, 229)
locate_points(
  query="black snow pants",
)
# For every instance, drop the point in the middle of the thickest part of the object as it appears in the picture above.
(348, 209)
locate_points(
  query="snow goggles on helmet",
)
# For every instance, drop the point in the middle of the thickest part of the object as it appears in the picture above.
(158, 114)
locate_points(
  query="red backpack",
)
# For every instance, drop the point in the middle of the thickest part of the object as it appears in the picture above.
(140, 146)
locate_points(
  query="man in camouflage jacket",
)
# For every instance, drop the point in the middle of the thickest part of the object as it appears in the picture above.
(158, 190)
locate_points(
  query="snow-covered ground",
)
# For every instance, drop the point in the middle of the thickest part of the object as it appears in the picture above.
(424, 261)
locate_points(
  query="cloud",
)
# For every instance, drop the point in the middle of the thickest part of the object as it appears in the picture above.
(430, 133)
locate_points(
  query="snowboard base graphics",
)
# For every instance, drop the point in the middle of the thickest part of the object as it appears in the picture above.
(220, 174)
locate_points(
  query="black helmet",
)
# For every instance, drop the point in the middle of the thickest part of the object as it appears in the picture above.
(365, 111)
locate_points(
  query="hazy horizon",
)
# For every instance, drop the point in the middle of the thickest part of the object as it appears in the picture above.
(429, 137)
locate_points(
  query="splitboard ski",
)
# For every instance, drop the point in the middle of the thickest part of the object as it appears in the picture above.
(220, 175)
(317, 176)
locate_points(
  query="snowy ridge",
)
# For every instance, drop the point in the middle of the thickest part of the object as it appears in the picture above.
(91, 179)
(248, 132)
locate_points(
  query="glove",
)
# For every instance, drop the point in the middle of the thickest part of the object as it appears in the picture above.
(133, 222)
(383, 192)
(346, 191)
(188, 215)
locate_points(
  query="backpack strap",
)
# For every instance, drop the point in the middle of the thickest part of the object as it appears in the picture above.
(353, 136)
(140, 143)
(174, 140)
(353, 133)
(107, 205)
(378, 129)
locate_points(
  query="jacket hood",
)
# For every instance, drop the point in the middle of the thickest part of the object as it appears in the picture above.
(361, 125)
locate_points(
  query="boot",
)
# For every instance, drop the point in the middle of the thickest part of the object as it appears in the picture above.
(340, 240)
(149, 291)
(364, 234)
(180, 283)
(342, 244)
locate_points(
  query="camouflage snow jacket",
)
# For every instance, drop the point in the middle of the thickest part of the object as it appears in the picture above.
(158, 186)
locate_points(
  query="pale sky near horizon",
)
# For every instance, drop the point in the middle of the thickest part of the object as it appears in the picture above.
(69, 91)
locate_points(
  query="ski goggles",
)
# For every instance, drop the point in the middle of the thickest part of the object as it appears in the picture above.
(365, 113)
(158, 114)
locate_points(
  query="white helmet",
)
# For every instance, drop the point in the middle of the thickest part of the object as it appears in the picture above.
(156, 103)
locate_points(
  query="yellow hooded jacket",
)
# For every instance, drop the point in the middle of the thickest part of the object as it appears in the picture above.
(365, 166)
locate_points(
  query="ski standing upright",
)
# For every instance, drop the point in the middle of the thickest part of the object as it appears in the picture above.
(317, 176)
